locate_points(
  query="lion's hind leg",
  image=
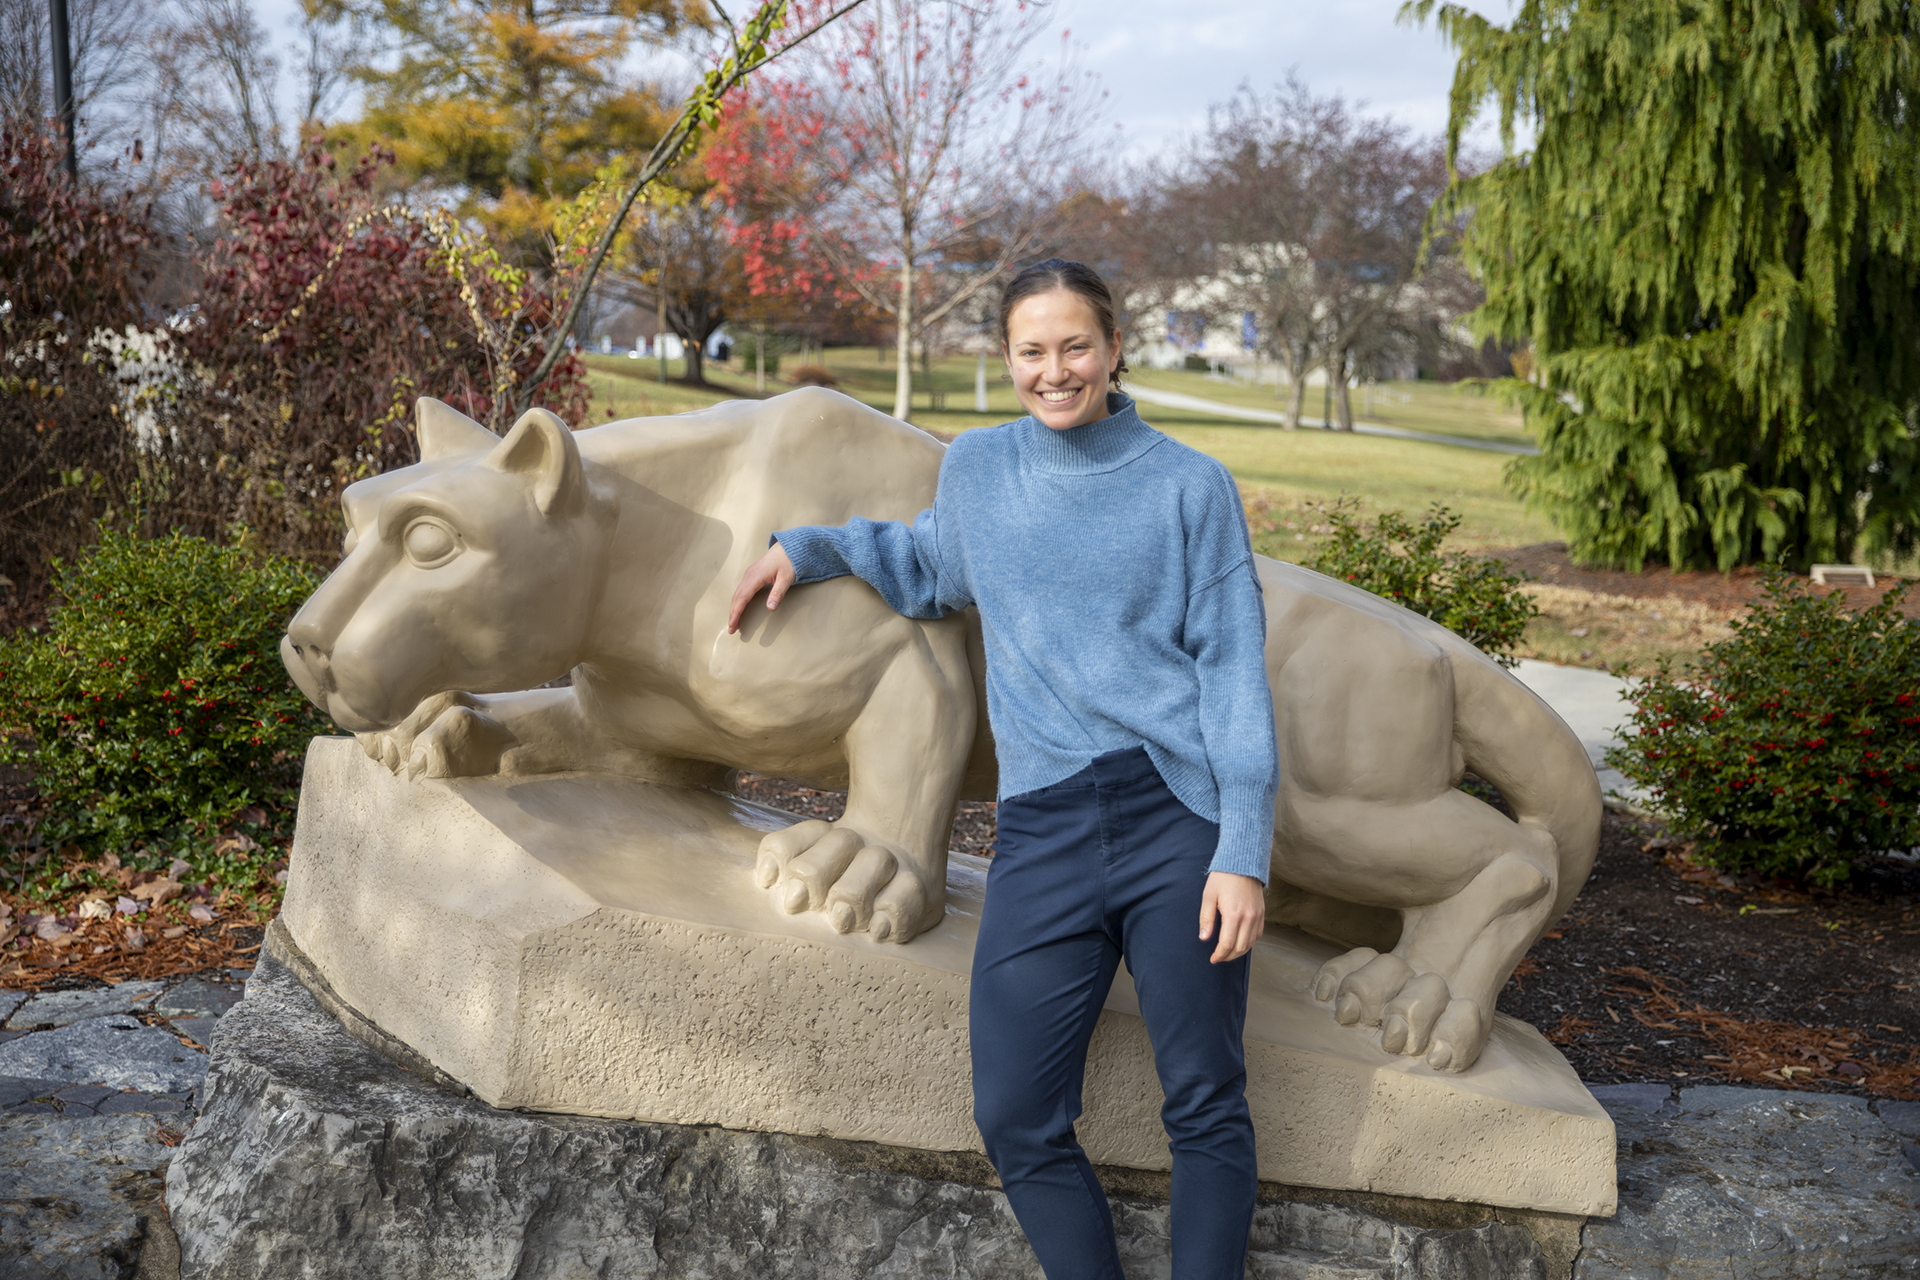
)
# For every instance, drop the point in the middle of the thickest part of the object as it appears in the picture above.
(1483, 890)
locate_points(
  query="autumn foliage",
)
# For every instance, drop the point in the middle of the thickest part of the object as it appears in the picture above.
(322, 311)
(324, 315)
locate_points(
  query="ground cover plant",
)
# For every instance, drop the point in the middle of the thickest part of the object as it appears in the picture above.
(1792, 747)
(152, 709)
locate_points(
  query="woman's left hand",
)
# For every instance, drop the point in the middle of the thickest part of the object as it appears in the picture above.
(1240, 902)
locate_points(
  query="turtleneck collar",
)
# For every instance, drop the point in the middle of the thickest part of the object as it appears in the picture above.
(1106, 445)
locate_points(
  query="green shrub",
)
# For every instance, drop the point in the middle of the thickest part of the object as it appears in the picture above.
(154, 702)
(746, 348)
(1793, 746)
(1474, 598)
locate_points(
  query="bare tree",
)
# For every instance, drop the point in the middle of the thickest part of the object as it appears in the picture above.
(1310, 215)
(216, 83)
(702, 286)
(23, 62)
(107, 37)
(941, 154)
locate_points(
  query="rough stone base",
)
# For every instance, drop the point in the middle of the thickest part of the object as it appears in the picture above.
(316, 1156)
(1758, 1184)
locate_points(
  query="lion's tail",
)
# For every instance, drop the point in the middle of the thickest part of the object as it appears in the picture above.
(1512, 738)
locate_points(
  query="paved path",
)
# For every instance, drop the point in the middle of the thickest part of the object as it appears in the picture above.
(1179, 400)
(1594, 706)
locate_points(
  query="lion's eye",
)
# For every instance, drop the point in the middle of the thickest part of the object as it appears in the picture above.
(430, 543)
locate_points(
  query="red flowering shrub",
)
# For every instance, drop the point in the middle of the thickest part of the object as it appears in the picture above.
(1793, 746)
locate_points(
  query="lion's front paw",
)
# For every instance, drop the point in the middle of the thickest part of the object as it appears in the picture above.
(858, 882)
(1417, 1013)
(447, 736)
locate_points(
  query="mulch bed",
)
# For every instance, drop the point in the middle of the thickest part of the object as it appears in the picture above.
(973, 826)
(1548, 563)
(1668, 970)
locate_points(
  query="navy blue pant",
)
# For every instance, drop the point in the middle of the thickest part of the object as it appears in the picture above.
(1105, 864)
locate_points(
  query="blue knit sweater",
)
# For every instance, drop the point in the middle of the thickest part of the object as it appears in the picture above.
(1117, 599)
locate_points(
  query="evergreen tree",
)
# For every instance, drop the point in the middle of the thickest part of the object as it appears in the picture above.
(1713, 246)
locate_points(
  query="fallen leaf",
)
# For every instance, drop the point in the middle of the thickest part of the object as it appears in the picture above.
(95, 909)
(178, 869)
(200, 913)
(160, 892)
(127, 906)
(177, 931)
(1692, 902)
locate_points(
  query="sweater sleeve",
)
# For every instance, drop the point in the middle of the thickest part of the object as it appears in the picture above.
(1226, 632)
(900, 561)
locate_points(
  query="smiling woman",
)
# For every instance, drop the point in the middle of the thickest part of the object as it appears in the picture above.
(1137, 764)
(1062, 348)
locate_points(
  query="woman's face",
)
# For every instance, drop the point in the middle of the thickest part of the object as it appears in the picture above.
(1059, 359)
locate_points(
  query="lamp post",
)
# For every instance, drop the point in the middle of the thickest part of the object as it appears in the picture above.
(63, 83)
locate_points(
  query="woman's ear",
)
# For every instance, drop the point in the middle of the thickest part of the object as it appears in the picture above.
(1113, 361)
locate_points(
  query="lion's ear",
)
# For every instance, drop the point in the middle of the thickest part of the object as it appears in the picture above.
(542, 449)
(444, 430)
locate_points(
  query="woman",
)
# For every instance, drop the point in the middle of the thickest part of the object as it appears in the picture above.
(1127, 689)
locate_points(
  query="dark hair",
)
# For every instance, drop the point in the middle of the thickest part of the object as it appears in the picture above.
(1074, 277)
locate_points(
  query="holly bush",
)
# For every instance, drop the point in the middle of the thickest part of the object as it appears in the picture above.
(1477, 599)
(1792, 747)
(154, 702)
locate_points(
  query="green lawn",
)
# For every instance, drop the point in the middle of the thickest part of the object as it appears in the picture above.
(1453, 409)
(1289, 477)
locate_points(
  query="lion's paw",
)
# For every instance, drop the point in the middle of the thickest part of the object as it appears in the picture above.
(447, 736)
(1417, 1013)
(858, 882)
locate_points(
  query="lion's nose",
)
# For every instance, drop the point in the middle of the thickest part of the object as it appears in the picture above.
(310, 669)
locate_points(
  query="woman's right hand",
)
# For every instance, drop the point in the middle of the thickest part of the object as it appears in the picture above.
(772, 571)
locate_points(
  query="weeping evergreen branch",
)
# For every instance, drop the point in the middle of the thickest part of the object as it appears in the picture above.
(1713, 246)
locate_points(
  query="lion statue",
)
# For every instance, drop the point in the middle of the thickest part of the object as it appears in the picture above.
(476, 579)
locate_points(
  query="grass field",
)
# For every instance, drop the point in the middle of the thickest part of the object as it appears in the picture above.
(1451, 409)
(1289, 477)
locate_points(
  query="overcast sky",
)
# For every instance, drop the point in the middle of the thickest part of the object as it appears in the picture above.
(1162, 63)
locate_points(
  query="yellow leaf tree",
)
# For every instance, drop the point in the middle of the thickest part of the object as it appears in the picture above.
(513, 105)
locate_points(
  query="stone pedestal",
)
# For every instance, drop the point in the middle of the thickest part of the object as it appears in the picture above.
(595, 946)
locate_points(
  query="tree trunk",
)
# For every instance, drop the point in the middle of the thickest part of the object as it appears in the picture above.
(1344, 402)
(1296, 385)
(696, 352)
(980, 382)
(903, 342)
(759, 358)
(660, 321)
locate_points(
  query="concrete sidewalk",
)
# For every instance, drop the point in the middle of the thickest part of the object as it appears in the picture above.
(1180, 400)
(1594, 705)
